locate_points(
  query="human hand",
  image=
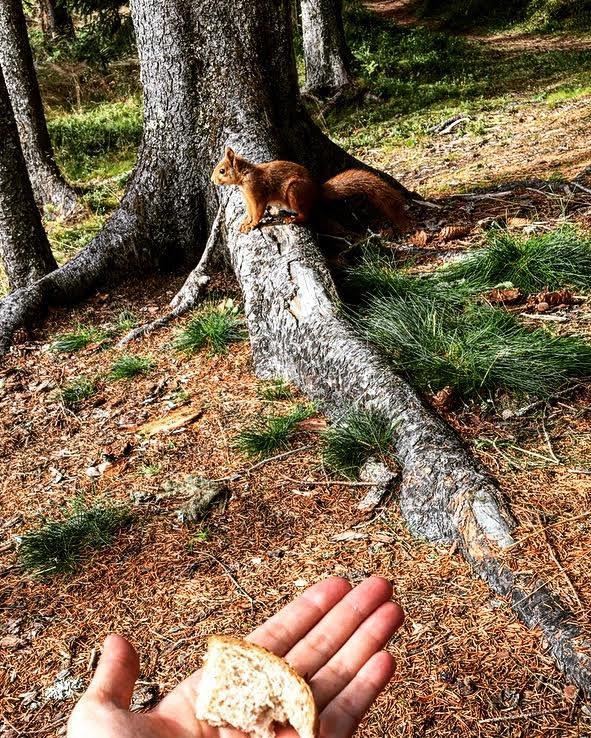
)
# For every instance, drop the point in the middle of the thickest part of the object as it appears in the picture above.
(332, 634)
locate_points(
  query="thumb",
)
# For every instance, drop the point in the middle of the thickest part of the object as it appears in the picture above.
(116, 673)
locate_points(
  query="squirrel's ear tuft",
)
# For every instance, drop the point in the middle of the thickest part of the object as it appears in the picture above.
(230, 154)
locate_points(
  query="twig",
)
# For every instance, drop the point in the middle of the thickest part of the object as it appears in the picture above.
(547, 438)
(231, 577)
(543, 316)
(526, 408)
(572, 519)
(337, 482)
(482, 196)
(187, 296)
(556, 560)
(580, 186)
(250, 469)
(519, 716)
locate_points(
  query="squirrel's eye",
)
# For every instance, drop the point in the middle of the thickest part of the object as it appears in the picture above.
(222, 170)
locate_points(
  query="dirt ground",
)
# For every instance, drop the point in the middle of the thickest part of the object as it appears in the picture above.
(466, 666)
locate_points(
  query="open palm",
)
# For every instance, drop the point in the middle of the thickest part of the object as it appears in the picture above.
(332, 634)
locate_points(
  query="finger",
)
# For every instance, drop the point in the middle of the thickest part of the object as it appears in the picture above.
(371, 636)
(290, 625)
(342, 716)
(116, 673)
(337, 626)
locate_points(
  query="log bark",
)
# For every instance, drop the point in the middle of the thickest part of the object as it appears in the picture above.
(56, 21)
(16, 60)
(326, 54)
(24, 249)
(291, 302)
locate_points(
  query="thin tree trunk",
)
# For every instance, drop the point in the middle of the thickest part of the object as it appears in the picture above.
(16, 60)
(295, 327)
(56, 21)
(24, 249)
(326, 54)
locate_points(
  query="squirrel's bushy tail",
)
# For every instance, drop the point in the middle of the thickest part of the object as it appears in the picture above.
(358, 182)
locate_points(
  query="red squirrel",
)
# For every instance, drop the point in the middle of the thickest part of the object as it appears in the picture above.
(291, 186)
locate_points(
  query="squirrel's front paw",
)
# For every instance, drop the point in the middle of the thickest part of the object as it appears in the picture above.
(246, 226)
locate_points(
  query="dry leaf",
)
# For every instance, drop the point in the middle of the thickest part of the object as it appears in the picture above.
(350, 535)
(503, 295)
(419, 238)
(451, 233)
(444, 399)
(557, 297)
(175, 419)
(312, 424)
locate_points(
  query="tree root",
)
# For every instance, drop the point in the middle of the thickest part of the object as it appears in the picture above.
(298, 334)
(188, 296)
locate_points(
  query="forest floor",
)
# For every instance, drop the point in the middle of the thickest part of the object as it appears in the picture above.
(466, 665)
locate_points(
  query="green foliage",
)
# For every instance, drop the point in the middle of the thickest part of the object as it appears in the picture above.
(350, 442)
(126, 320)
(473, 349)
(68, 240)
(545, 15)
(271, 432)
(58, 545)
(130, 366)
(77, 339)
(433, 329)
(77, 390)
(276, 389)
(561, 258)
(213, 327)
(80, 139)
(420, 76)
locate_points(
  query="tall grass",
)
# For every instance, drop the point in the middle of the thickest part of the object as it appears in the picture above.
(473, 349)
(561, 258)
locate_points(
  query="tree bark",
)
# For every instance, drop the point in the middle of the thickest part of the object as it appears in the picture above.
(296, 329)
(56, 21)
(16, 60)
(326, 54)
(24, 248)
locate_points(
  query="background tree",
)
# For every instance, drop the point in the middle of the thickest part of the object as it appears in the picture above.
(56, 20)
(296, 329)
(24, 249)
(326, 54)
(16, 60)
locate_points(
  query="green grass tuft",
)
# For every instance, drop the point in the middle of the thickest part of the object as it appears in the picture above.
(126, 320)
(276, 389)
(214, 327)
(83, 336)
(76, 391)
(561, 258)
(349, 443)
(58, 546)
(473, 349)
(130, 366)
(272, 432)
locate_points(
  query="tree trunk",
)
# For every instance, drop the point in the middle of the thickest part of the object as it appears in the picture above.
(56, 21)
(326, 54)
(24, 249)
(16, 60)
(186, 50)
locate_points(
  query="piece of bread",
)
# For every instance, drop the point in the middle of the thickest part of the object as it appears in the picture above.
(249, 688)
